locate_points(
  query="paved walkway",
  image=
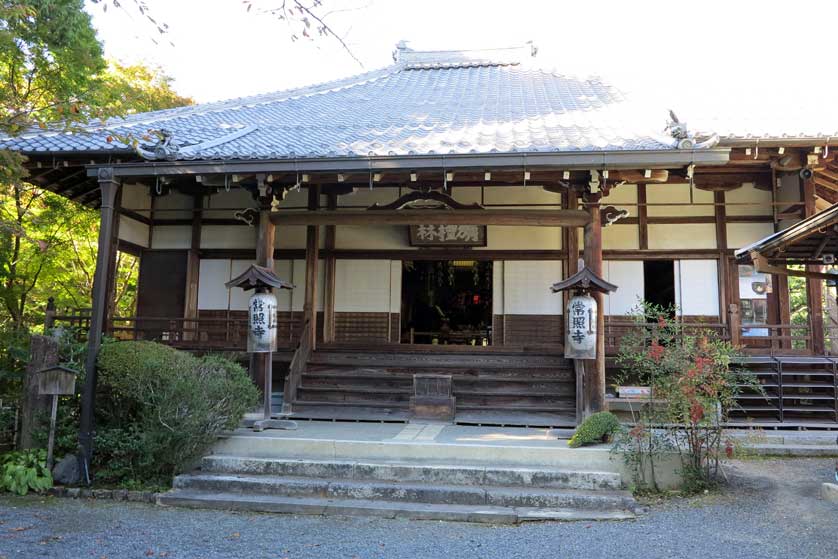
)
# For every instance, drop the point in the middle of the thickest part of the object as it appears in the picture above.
(771, 510)
(419, 432)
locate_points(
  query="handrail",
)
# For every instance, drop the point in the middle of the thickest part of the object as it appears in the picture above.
(297, 367)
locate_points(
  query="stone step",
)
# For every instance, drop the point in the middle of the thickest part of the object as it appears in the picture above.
(478, 495)
(415, 472)
(289, 446)
(384, 509)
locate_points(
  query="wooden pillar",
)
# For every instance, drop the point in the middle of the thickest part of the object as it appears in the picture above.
(814, 287)
(329, 287)
(724, 270)
(193, 270)
(265, 240)
(312, 257)
(571, 241)
(110, 296)
(108, 187)
(595, 369)
(642, 218)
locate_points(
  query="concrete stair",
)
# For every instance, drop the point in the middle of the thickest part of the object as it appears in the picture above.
(438, 491)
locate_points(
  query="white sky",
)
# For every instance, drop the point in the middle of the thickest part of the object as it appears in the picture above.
(692, 55)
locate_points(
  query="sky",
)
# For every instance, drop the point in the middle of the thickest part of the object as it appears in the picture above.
(692, 56)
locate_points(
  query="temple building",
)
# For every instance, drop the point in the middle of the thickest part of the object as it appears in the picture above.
(423, 211)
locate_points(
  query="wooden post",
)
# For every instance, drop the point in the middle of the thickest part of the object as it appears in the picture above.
(43, 353)
(193, 270)
(595, 370)
(260, 363)
(329, 287)
(571, 241)
(735, 324)
(312, 257)
(642, 218)
(110, 296)
(814, 287)
(721, 244)
(108, 187)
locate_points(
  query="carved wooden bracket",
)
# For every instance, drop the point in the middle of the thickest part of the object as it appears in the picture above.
(426, 196)
(610, 214)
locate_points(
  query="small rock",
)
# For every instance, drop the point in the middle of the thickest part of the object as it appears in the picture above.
(85, 493)
(58, 491)
(73, 492)
(119, 495)
(102, 493)
(66, 472)
(829, 491)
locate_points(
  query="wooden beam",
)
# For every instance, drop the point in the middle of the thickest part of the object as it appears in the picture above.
(193, 266)
(721, 244)
(814, 275)
(532, 218)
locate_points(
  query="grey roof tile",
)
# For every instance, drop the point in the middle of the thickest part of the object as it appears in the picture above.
(421, 105)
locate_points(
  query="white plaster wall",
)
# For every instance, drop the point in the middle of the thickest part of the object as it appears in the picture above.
(618, 237)
(171, 237)
(133, 231)
(299, 280)
(677, 194)
(173, 201)
(758, 201)
(505, 237)
(371, 237)
(136, 197)
(292, 236)
(228, 236)
(742, 234)
(497, 286)
(526, 287)
(235, 198)
(365, 197)
(239, 297)
(697, 287)
(623, 194)
(682, 236)
(627, 275)
(395, 286)
(363, 285)
(532, 194)
(212, 293)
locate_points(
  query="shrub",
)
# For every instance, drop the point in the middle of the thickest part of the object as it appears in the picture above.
(690, 370)
(595, 429)
(160, 408)
(23, 471)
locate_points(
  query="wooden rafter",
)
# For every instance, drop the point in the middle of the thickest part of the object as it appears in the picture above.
(533, 218)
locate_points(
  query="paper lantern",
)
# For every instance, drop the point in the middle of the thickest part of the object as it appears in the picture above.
(261, 323)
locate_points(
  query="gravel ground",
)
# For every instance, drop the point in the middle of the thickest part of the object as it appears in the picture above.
(771, 509)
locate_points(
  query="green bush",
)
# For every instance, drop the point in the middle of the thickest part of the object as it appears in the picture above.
(24, 471)
(595, 429)
(160, 409)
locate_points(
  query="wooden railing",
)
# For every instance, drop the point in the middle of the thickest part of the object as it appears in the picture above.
(210, 334)
(616, 330)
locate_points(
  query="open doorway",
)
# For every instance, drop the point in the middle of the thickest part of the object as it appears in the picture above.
(659, 282)
(447, 302)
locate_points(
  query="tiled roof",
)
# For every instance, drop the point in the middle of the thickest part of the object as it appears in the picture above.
(464, 102)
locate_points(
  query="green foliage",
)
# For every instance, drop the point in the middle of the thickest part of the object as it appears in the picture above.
(160, 408)
(694, 386)
(23, 471)
(595, 429)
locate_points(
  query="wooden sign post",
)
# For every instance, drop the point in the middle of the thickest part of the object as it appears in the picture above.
(55, 381)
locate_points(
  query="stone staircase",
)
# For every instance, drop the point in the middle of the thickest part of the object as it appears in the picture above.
(407, 479)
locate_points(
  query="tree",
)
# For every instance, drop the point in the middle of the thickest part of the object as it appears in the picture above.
(56, 240)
